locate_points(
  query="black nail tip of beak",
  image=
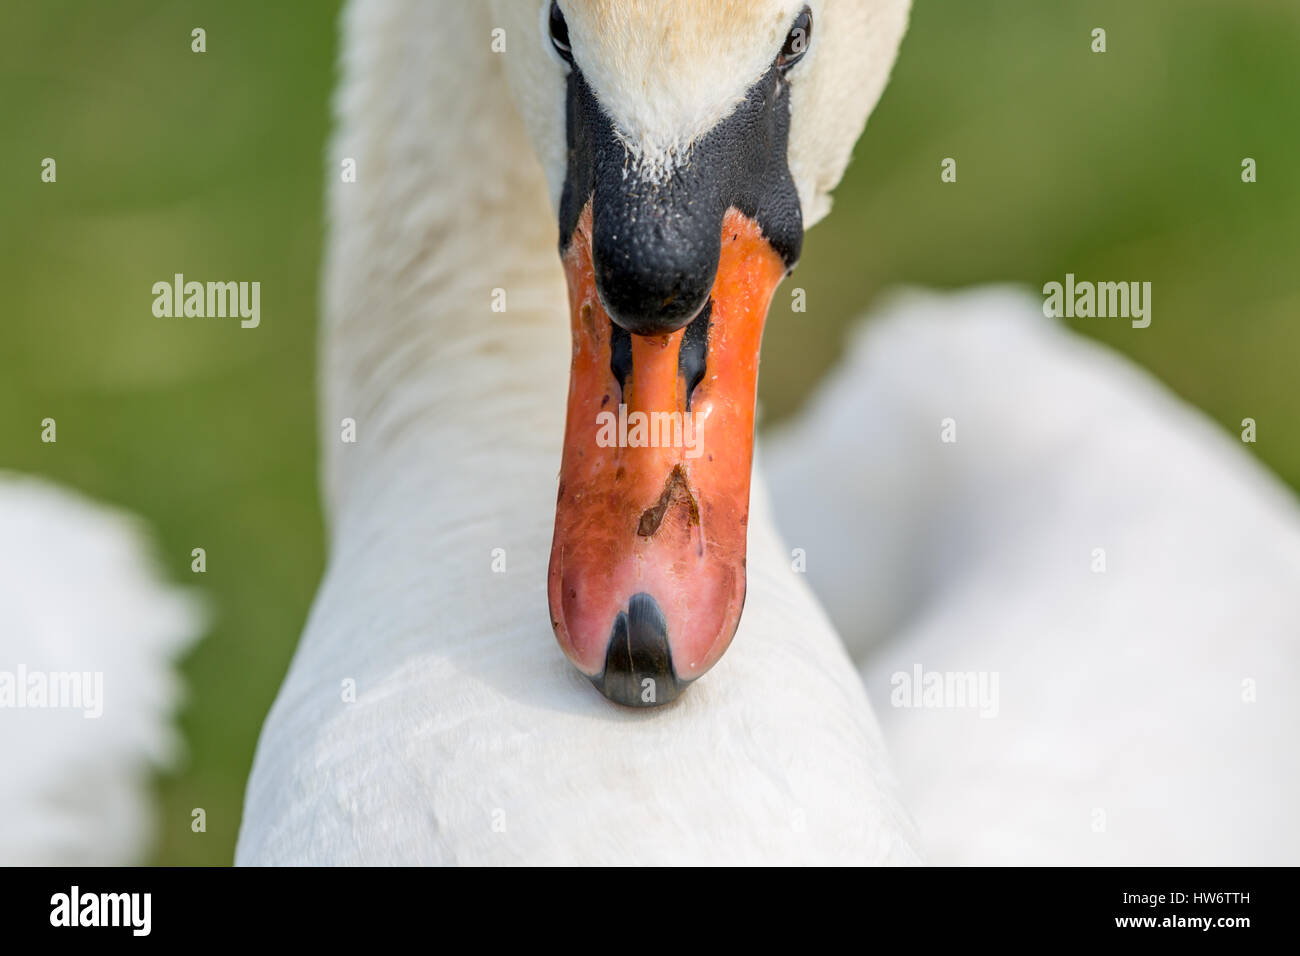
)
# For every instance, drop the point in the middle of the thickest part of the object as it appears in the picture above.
(639, 663)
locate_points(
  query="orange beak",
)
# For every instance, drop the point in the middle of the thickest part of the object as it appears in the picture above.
(647, 571)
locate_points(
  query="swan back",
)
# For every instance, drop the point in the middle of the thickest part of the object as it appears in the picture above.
(1124, 569)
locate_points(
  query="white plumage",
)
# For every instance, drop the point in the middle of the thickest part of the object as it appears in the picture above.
(81, 594)
(1147, 713)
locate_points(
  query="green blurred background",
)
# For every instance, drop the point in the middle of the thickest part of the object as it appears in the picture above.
(1122, 165)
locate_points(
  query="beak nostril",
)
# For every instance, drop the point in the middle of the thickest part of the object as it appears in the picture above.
(620, 355)
(693, 357)
(638, 661)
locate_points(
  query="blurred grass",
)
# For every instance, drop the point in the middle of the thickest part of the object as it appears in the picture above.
(1123, 165)
(1118, 166)
(211, 165)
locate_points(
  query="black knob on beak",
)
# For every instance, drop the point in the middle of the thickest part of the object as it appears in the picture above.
(657, 223)
(655, 256)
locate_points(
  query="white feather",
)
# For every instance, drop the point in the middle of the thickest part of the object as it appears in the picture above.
(81, 594)
(1125, 733)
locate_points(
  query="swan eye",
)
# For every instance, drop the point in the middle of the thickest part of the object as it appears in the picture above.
(796, 41)
(560, 34)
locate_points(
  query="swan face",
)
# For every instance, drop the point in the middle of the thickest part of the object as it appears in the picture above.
(667, 71)
(687, 145)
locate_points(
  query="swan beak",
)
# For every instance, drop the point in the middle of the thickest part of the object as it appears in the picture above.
(647, 571)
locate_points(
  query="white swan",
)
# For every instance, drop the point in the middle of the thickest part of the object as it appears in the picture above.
(470, 738)
(427, 716)
(1147, 708)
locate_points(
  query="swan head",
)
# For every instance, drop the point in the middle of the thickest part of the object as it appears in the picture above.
(687, 146)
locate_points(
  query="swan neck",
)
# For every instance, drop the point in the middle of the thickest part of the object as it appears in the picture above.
(444, 321)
